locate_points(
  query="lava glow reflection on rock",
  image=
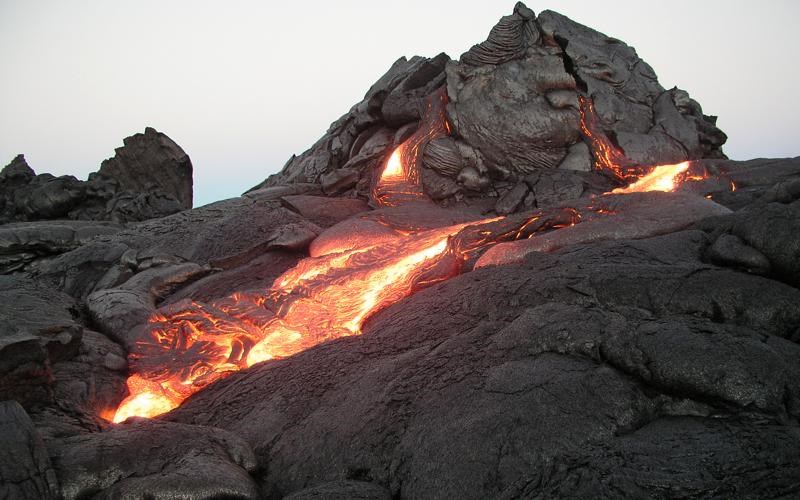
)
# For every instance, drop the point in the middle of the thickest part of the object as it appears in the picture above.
(189, 345)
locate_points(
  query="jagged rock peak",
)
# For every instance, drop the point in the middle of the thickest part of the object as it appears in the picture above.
(508, 39)
(513, 110)
(152, 161)
(150, 176)
(17, 169)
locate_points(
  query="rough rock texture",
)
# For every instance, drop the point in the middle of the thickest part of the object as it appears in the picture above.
(634, 216)
(37, 328)
(25, 469)
(148, 162)
(117, 310)
(158, 460)
(513, 111)
(342, 490)
(150, 176)
(24, 242)
(223, 234)
(648, 350)
(528, 370)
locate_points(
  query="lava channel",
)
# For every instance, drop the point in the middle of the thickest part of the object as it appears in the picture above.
(189, 345)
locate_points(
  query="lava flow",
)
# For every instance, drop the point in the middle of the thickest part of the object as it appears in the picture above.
(188, 344)
(610, 161)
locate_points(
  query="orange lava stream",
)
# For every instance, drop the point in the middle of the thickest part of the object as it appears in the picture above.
(330, 295)
(662, 178)
(189, 345)
(613, 162)
(607, 157)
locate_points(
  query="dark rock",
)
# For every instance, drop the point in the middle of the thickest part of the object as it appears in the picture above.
(508, 40)
(742, 184)
(554, 187)
(636, 464)
(23, 242)
(295, 236)
(442, 155)
(226, 231)
(503, 111)
(782, 192)
(578, 158)
(479, 385)
(252, 276)
(342, 490)
(18, 170)
(148, 162)
(438, 187)
(513, 110)
(652, 125)
(472, 179)
(344, 139)
(371, 150)
(324, 211)
(25, 469)
(37, 328)
(731, 251)
(160, 460)
(275, 192)
(86, 388)
(377, 225)
(149, 177)
(645, 344)
(404, 102)
(772, 231)
(117, 311)
(635, 215)
(512, 199)
(339, 181)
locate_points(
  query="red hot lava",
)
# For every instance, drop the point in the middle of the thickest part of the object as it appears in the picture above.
(190, 345)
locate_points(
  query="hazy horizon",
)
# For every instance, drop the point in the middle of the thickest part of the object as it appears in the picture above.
(242, 88)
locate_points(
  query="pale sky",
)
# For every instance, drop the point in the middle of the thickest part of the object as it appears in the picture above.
(242, 85)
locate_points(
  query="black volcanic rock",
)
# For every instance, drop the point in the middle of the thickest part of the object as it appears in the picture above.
(646, 347)
(151, 161)
(144, 459)
(37, 328)
(24, 242)
(493, 383)
(220, 234)
(17, 171)
(358, 140)
(513, 111)
(25, 469)
(150, 176)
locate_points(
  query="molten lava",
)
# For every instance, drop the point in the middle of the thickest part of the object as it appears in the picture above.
(661, 178)
(608, 159)
(189, 345)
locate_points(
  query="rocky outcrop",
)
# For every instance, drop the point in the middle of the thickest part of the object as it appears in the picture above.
(149, 177)
(513, 111)
(151, 162)
(634, 345)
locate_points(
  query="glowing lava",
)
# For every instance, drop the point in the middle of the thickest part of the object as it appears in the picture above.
(608, 159)
(189, 345)
(662, 178)
(612, 162)
(394, 167)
